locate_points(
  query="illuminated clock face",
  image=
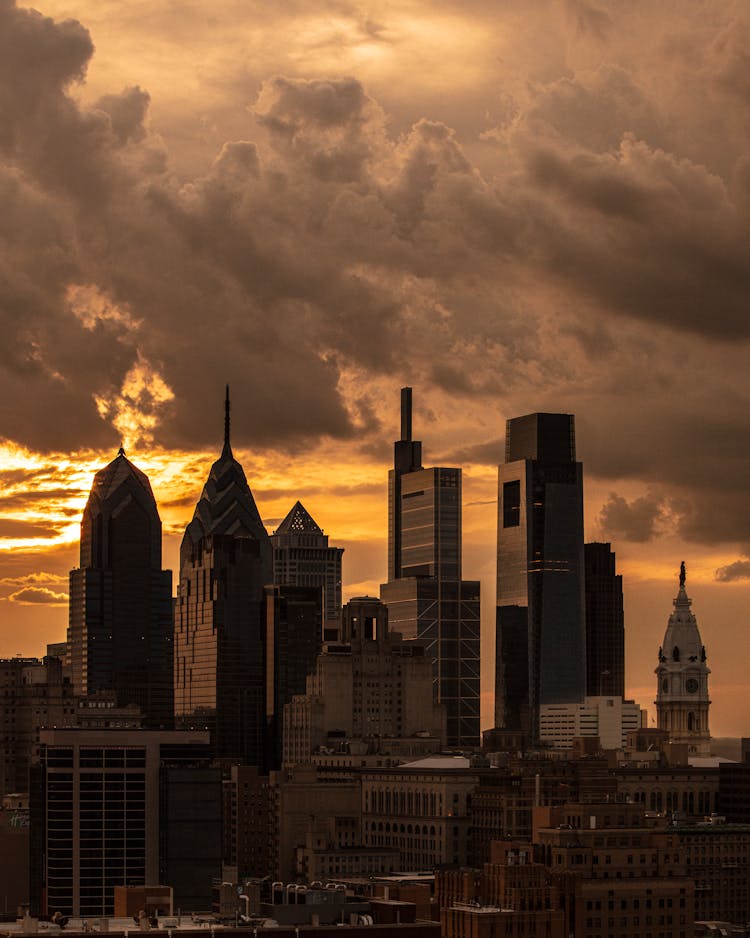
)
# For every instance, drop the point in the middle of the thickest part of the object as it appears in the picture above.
(691, 685)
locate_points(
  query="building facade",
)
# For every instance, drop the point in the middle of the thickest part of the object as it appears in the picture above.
(609, 719)
(682, 701)
(425, 595)
(364, 692)
(541, 636)
(120, 620)
(225, 563)
(605, 623)
(303, 557)
(122, 807)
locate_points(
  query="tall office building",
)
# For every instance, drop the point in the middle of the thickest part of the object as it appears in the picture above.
(225, 562)
(292, 640)
(120, 619)
(682, 701)
(541, 635)
(605, 623)
(425, 595)
(302, 557)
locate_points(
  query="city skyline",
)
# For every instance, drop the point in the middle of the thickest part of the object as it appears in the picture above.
(510, 209)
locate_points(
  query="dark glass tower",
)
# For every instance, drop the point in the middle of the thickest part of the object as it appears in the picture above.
(605, 624)
(541, 638)
(225, 562)
(120, 620)
(425, 595)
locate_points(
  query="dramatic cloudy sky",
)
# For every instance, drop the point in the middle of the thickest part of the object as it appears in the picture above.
(510, 205)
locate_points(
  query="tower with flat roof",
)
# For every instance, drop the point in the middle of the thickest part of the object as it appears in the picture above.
(541, 635)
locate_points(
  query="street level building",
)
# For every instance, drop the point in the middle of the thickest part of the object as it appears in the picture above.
(120, 620)
(541, 635)
(122, 808)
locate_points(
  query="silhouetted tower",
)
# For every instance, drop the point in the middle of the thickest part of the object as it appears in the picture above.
(541, 636)
(425, 595)
(225, 562)
(605, 623)
(302, 557)
(120, 620)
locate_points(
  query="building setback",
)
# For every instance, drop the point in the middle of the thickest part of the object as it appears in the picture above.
(120, 620)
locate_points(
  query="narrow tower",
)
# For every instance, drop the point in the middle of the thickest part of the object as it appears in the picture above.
(225, 562)
(682, 679)
(425, 595)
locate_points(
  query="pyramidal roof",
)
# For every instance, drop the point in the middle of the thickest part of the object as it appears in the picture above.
(226, 505)
(115, 474)
(298, 521)
(682, 629)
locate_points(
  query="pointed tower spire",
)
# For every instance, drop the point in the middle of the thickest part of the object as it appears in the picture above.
(227, 451)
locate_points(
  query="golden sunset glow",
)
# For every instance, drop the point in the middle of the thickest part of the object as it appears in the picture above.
(509, 207)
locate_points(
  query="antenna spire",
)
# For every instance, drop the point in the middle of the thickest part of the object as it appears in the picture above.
(227, 451)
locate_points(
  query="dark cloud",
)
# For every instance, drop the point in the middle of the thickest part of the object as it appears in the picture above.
(739, 570)
(581, 246)
(637, 520)
(33, 595)
(11, 528)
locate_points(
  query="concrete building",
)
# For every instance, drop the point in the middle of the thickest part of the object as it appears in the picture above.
(717, 855)
(541, 634)
(246, 824)
(511, 896)
(33, 693)
(300, 803)
(303, 557)
(120, 618)
(619, 872)
(122, 808)
(365, 691)
(609, 719)
(425, 595)
(225, 563)
(422, 808)
(682, 701)
(605, 623)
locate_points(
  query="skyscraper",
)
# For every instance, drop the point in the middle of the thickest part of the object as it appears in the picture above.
(541, 637)
(225, 562)
(425, 595)
(120, 619)
(302, 557)
(682, 701)
(605, 623)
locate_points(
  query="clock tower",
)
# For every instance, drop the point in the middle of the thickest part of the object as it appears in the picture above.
(682, 679)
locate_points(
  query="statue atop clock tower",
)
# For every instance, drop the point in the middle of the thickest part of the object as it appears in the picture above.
(682, 679)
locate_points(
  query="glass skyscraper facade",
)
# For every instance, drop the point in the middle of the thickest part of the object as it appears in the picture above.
(541, 638)
(120, 616)
(425, 595)
(605, 623)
